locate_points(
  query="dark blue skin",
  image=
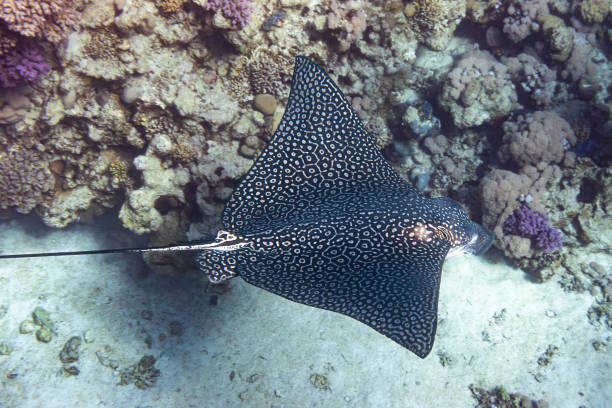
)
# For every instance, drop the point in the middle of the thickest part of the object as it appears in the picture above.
(322, 219)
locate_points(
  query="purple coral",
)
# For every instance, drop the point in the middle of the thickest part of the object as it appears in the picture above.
(534, 225)
(22, 64)
(238, 11)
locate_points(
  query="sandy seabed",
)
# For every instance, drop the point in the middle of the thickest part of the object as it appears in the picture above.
(256, 349)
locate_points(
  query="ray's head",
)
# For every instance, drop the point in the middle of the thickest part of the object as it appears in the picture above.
(447, 221)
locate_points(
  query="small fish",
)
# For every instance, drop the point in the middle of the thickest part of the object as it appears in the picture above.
(322, 219)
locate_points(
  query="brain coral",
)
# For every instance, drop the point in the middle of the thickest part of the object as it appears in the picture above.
(539, 137)
(25, 180)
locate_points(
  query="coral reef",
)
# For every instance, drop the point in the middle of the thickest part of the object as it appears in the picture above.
(151, 111)
(43, 19)
(237, 11)
(25, 180)
(478, 90)
(539, 137)
(534, 225)
(158, 107)
(24, 64)
(435, 21)
(501, 398)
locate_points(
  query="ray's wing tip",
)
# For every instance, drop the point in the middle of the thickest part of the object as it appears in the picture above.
(421, 350)
(302, 59)
(424, 352)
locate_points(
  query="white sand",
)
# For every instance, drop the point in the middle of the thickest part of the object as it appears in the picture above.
(274, 346)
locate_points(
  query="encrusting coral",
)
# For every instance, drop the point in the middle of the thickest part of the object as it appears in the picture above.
(25, 180)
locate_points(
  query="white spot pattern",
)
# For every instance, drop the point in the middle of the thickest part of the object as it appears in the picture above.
(333, 226)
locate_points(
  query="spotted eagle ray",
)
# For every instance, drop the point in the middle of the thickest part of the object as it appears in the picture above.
(322, 219)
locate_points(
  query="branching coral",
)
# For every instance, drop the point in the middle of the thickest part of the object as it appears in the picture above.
(24, 64)
(434, 21)
(534, 225)
(47, 19)
(594, 11)
(269, 73)
(8, 39)
(502, 191)
(535, 78)
(521, 20)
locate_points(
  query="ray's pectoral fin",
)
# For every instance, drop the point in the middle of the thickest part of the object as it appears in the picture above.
(396, 296)
(404, 309)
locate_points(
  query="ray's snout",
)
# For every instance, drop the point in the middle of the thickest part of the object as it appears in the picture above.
(481, 239)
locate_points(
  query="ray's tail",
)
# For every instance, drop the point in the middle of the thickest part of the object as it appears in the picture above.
(218, 253)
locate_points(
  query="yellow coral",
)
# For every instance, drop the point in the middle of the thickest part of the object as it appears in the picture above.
(170, 6)
(184, 153)
(118, 169)
(594, 11)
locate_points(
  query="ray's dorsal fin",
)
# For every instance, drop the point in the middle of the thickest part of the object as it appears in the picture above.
(320, 147)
